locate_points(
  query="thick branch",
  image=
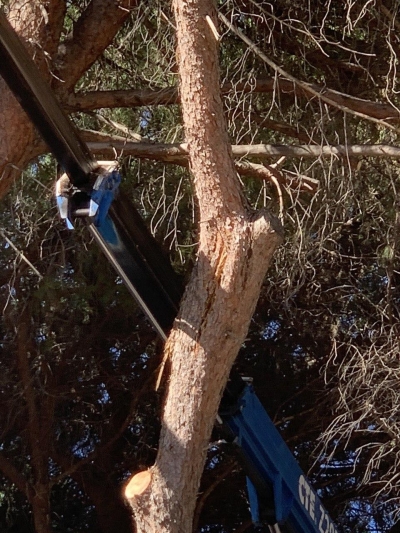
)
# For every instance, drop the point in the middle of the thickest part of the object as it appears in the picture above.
(177, 155)
(54, 13)
(176, 152)
(17, 137)
(92, 33)
(167, 96)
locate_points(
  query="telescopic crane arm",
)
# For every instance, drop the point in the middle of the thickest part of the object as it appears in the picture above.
(121, 233)
(281, 498)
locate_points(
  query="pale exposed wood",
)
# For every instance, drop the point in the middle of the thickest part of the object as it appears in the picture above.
(138, 484)
(177, 154)
(213, 28)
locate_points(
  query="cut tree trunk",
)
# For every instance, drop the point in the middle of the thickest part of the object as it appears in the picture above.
(235, 249)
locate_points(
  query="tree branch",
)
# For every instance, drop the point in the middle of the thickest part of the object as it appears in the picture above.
(54, 13)
(12, 474)
(268, 173)
(235, 247)
(25, 351)
(304, 86)
(167, 96)
(176, 152)
(92, 33)
(123, 98)
(107, 145)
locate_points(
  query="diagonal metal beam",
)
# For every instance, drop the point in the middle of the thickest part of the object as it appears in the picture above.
(124, 239)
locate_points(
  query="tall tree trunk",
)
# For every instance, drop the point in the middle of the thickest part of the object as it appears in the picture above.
(235, 248)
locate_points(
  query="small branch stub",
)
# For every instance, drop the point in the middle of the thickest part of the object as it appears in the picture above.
(138, 484)
(213, 28)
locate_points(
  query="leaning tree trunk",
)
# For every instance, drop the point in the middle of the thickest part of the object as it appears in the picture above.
(235, 248)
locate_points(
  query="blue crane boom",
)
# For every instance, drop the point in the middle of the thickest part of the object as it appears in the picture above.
(279, 492)
(281, 498)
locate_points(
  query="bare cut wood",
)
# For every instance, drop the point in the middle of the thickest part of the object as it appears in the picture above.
(138, 484)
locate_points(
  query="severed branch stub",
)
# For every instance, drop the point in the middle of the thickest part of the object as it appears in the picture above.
(213, 28)
(138, 484)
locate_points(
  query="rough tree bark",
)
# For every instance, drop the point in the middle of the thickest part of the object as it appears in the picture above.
(17, 136)
(235, 248)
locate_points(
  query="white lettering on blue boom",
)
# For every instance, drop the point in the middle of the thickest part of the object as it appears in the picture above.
(310, 501)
